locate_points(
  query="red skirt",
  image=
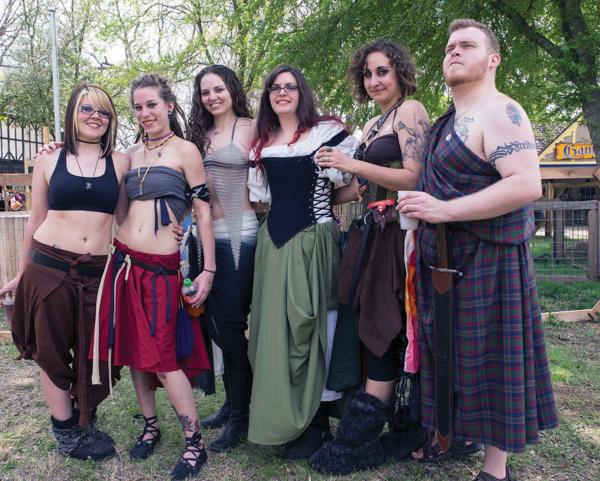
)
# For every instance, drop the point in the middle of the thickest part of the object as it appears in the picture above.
(137, 317)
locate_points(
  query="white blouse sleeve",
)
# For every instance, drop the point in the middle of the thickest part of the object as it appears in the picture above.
(347, 146)
(258, 185)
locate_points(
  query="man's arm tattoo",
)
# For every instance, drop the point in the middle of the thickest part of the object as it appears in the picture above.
(508, 149)
(414, 147)
(514, 114)
(462, 127)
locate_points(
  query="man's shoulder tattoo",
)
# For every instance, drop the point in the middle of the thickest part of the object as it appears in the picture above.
(462, 127)
(510, 148)
(416, 141)
(514, 114)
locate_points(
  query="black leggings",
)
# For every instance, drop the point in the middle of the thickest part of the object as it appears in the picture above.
(236, 359)
(387, 367)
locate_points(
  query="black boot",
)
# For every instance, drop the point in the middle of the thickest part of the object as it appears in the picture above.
(356, 445)
(220, 418)
(79, 442)
(236, 429)
(189, 466)
(93, 425)
(313, 437)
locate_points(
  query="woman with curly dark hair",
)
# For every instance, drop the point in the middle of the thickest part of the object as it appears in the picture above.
(223, 130)
(372, 274)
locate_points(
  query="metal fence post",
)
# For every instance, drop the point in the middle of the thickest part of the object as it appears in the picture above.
(594, 242)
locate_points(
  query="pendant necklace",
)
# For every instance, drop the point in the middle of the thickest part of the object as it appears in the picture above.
(88, 183)
(142, 178)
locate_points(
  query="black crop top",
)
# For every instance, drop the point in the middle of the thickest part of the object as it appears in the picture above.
(383, 150)
(74, 192)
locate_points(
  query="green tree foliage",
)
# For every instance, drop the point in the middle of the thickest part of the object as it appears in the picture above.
(26, 95)
(550, 51)
(550, 48)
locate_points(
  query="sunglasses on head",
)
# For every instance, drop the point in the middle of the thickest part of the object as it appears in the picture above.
(89, 110)
(288, 87)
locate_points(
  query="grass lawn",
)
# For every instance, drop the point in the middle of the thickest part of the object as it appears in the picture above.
(569, 453)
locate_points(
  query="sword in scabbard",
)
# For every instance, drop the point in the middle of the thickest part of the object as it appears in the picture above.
(443, 284)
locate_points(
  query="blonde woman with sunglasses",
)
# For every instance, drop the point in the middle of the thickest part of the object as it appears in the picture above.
(76, 193)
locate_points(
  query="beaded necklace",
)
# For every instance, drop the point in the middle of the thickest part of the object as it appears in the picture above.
(160, 146)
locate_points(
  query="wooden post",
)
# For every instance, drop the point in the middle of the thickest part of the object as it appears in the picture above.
(558, 235)
(548, 214)
(594, 243)
(5, 197)
(26, 164)
(45, 135)
(12, 232)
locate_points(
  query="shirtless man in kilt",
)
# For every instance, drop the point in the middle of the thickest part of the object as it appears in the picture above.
(480, 174)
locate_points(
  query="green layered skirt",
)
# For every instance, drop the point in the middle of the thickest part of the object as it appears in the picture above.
(293, 288)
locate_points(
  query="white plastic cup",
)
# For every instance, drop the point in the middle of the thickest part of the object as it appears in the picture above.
(406, 223)
(8, 303)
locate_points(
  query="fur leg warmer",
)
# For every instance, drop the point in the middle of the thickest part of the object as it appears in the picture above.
(356, 445)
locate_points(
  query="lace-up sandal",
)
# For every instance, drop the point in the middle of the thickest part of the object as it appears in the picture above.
(432, 452)
(189, 466)
(144, 447)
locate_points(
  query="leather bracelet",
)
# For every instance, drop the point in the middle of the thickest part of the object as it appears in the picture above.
(208, 270)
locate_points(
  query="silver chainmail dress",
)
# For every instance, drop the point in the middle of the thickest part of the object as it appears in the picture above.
(228, 171)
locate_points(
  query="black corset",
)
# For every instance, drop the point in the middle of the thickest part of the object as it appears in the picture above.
(292, 181)
(296, 189)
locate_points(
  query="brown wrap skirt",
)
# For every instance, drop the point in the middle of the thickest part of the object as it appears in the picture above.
(380, 290)
(53, 322)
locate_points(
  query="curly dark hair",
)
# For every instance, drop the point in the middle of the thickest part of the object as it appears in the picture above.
(400, 59)
(200, 120)
(177, 120)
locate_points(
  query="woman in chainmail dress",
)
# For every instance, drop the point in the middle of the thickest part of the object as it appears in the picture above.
(223, 131)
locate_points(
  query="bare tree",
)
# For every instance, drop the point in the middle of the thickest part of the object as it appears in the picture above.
(9, 27)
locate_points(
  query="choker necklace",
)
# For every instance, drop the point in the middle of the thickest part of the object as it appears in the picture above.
(158, 146)
(160, 138)
(142, 178)
(88, 142)
(88, 183)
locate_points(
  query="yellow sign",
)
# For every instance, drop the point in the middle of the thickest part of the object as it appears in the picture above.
(574, 151)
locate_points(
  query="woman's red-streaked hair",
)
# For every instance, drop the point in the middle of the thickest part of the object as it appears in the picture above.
(267, 120)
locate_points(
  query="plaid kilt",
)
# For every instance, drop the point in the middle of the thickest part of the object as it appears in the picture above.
(503, 391)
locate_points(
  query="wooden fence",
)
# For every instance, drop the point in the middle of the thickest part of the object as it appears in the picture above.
(12, 228)
(566, 245)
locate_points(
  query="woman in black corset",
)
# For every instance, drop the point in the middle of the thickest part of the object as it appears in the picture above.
(294, 297)
(372, 278)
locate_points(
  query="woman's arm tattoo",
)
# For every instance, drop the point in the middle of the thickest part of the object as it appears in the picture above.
(416, 142)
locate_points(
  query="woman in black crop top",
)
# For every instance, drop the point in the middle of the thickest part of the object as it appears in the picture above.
(76, 192)
(372, 278)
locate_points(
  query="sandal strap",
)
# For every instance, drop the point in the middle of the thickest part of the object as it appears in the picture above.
(150, 427)
(192, 446)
